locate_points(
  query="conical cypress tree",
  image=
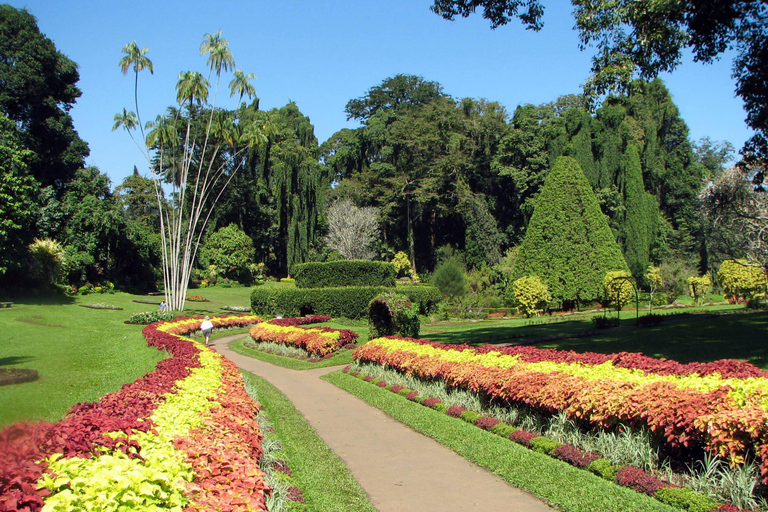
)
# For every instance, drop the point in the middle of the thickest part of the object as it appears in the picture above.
(568, 243)
(640, 214)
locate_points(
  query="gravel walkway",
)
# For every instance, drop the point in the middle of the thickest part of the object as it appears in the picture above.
(399, 469)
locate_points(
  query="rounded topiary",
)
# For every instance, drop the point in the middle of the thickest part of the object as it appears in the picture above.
(530, 295)
(393, 314)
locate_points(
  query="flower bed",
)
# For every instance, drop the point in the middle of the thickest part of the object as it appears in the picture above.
(625, 476)
(720, 407)
(182, 436)
(320, 341)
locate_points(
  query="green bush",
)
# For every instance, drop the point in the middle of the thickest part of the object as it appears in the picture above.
(503, 430)
(449, 278)
(544, 444)
(604, 468)
(470, 416)
(231, 250)
(740, 279)
(149, 317)
(334, 274)
(426, 296)
(440, 407)
(530, 295)
(393, 314)
(348, 302)
(686, 499)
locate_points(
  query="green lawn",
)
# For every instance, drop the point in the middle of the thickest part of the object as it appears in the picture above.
(82, 353)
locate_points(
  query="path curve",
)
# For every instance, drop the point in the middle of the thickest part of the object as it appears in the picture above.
(399, 469)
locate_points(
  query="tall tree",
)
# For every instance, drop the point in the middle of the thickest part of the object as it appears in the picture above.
(241, 84)
(200, 168)
(136, 58)
(37, 90)
(18, 199)
(568, 243)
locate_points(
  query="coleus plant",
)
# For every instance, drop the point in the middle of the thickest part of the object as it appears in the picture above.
(719, 407)
(127, 450)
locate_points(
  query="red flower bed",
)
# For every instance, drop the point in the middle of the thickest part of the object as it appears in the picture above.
(640, 481)
(574, 456)
(522, 437)
(82, 432)
(293, 322)
(486, 422)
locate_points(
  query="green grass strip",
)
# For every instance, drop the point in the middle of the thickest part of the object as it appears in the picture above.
(327, 484)
(567, 487)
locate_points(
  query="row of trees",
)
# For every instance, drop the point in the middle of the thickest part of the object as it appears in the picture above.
(424, 171)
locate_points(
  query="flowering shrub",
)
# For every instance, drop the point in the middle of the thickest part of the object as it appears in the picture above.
(317, 340)
(141, 447)
(721, 407)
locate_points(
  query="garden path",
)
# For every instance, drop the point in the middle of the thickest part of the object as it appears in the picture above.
(399, 469)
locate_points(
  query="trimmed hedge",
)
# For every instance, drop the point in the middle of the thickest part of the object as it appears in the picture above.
(334, 274)
(348, 301)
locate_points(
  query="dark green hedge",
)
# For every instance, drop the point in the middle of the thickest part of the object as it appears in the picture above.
(334, 274)
(348, 301)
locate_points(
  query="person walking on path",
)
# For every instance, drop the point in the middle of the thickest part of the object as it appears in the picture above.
(207, 328)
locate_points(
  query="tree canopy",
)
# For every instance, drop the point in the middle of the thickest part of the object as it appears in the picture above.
(38, 90)
(643, 38)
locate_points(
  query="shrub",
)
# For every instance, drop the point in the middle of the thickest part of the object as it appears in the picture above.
(486, 422)
(617, 291)
(639, 480)
(604, 322)
(686, 499)
(530, 295)
(348, 302)
(402, 265)
(440, 407)
(231, 250)
(503, 430)
(427, 297)
(405, 392)
(603, 468)
(574, 456)
(739, 279)
(455, 411)
(470, 416)
(522, 437)
(698, 287)
(449, 278)
(544, 444)
(431, 402)
(393, 314)
(334, 274)
(148, 317)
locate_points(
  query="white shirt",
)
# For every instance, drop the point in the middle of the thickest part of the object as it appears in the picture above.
(207, 324)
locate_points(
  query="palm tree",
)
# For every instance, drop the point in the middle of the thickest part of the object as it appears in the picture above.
(241, 84)
(219, 55)
(191, 88)
(137, 58)
(128, 121)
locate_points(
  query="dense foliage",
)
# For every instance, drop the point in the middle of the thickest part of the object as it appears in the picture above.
(393, 314)
(334, 274)
(741, 281)
(348, 301)
(530, 295)
(569, 244)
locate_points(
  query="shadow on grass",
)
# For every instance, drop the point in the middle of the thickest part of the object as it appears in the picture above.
(31, 299)
(8, 361)
(695, 338)
(484, 334)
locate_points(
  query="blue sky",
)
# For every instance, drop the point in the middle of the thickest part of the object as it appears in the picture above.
(321, 54)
